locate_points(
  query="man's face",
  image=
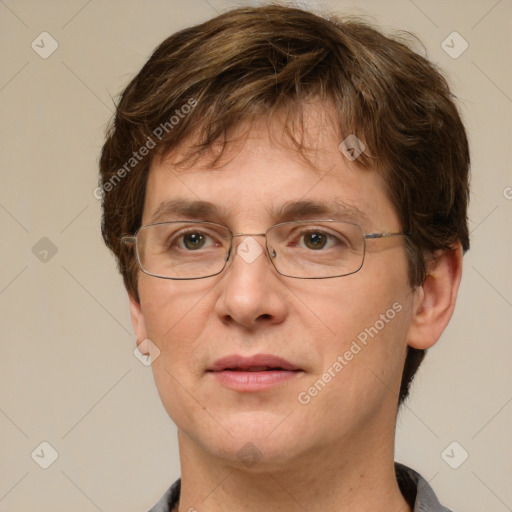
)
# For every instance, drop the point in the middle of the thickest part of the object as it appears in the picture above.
(358, 321)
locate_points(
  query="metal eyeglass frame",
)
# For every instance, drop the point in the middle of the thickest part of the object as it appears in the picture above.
(132, 239)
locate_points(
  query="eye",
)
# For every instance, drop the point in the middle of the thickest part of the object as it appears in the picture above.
(184, 240)
(194, 241)
(315, 240)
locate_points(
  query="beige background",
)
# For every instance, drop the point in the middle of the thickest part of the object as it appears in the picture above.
(68, 375)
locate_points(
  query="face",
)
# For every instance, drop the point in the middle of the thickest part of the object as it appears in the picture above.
(343, 340)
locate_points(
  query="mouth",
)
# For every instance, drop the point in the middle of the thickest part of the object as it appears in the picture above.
(255, 369)
(254, 373)
(256, 363)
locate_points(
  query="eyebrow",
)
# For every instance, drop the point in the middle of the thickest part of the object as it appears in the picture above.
(181, 209)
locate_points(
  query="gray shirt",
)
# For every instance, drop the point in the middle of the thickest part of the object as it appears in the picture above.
(413, 486)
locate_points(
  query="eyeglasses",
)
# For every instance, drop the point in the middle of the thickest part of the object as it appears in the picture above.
(304, 249)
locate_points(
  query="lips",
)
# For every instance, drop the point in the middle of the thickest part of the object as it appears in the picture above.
(258, 373)
(256, 363)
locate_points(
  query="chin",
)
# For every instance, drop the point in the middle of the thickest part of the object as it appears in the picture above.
(257, 440)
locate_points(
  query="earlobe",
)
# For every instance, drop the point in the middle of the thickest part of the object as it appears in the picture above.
(435, 298)
(137, 318)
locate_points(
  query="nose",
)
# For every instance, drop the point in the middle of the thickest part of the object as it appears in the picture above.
(252, 292)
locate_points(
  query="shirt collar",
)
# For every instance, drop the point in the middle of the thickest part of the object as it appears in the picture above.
(413, 486)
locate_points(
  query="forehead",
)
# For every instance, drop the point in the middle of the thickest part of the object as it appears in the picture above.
(262, 178)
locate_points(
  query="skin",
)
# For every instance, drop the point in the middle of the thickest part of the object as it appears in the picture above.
(336, 452)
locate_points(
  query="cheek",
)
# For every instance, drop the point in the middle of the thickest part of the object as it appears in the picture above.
(165, 305)
(175, 313)
(362, 360)
(351, 305)
(367, 314)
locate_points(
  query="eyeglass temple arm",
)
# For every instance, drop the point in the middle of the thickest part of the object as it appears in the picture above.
(127, 239)
(384, 235)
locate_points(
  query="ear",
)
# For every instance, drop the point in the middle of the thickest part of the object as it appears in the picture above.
(435, 298)
(138, 322)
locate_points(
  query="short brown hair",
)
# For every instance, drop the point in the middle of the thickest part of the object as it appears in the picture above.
(255, 61)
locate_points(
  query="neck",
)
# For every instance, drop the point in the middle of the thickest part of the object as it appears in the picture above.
(328, 479)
